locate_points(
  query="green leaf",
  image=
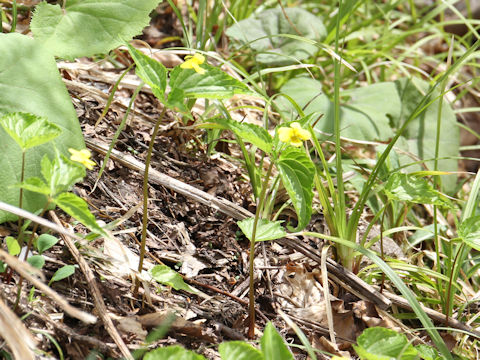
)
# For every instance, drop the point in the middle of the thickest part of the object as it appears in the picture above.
(239, 350)
(379, 343)
(63, 273)
(36, 185)
(374, 113)
(172, 353)
(251, 133)
(214, 84)
(273, 346)
(45, 242)
(266, 229)
(68, 32)
(29, 130)
(404, 187)
(164, 275)
(364, 116)
(297, 173)
(13, 246)
(3, 267)
(469, 232)
(33, 85)
(37, 261)
(61, 173)
(427, 352)
(152, 72)
(275, 41)
(77, 208)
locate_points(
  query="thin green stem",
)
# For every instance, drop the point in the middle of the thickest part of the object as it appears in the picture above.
(145, 197)
(20, 199)
(450, 281)
(29, 246)
(14, 16)
(251, 305)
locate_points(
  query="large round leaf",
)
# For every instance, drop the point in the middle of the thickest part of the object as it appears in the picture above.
(265, 34)
(30, 82)
(88, 27)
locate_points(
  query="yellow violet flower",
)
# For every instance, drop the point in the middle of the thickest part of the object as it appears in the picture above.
(293, 135)
(83, 157)
(193, 62)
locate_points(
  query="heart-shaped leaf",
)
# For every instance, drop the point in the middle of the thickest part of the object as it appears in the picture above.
(61, 173)
(45, 242)
(29, 130)
(266, 229)
(297, 172)
(250, 133)
(152, 72)
(266, 33)
(37, 261)
(213, 84)
(68, 32)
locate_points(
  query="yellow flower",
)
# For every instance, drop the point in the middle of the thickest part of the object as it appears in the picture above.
(83, 157)
(193, 62)
(294, 134)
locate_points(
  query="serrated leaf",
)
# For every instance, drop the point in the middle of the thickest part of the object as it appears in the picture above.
(77, 208)
(213, 84)
(45, 242)
(68, 32)
(37, 261)
(13, 246)
(273, 346)
(63, 273)
(402, 187)
(34, 184)
(379, 343)
(174, 352)
(61, 173)
(469, 232)
(250, 133)
(297, 172)
(29, 130)
(266, 229)
(239, 350)
(263, 32)
(164, 275)
(33, 85)
(152, 72)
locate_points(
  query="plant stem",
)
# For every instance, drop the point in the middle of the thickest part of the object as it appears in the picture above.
(29, 246)
(251, 296)
(14, 16)
(450, 281)
(20, 199)
(145, 197)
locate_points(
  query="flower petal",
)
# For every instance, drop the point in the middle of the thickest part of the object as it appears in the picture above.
(285, 134)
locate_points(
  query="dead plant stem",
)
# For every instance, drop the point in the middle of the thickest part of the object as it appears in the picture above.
(251, 327)
(145, 198)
